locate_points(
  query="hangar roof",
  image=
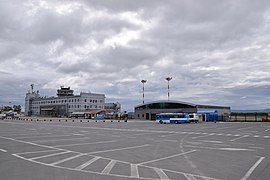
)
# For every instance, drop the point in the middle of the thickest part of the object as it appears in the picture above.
(165, 104)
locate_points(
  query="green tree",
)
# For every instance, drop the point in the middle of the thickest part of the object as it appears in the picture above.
(17, 108)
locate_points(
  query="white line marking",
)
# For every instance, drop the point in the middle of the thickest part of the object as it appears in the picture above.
(169, 135)
(218, 142)
(119, 149)
(239, 138)
(256, 136)
(201, 136)
(168, 157)
(134, 171)
(40, 145)
(116, 136)
(87, 163)
(224, 149)
(255, 147)
(27, 135)
(194, 143)
(246, 176)
(67, 159)
(266, 136)
(109, 167)
(267, 129)
(49, 155)
(190, 177)
(33, 136)
(244, 128)
(114, 175)
(161, 173)
(100, 142)
(52, 140)
(251, 131)
(3, 150)
(32, 152)
(167, 140)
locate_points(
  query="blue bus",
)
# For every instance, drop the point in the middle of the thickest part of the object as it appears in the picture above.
(176, 118)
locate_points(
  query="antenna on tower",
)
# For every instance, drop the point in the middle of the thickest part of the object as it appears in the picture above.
(32, 88)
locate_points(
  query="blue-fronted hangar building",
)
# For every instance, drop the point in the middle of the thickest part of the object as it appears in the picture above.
(149, 110)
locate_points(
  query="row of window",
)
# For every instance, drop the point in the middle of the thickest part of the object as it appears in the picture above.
(75, 106)
(65, 101)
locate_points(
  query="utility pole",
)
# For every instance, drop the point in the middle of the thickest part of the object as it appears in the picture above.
(143, 82)
(168, 79)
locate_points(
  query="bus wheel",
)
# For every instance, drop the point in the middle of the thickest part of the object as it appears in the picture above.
(161, 122)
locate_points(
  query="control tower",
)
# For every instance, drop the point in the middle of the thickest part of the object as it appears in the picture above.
(64, 91)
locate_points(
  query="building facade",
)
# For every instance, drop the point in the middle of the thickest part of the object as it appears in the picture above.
(149, 110)
(66, 103)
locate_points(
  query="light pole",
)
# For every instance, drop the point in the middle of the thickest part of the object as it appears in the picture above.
(168, 79)
(143, 81)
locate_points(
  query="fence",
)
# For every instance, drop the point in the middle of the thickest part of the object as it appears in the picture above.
(249, 117)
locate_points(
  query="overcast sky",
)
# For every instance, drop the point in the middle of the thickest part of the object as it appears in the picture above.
(216, 51)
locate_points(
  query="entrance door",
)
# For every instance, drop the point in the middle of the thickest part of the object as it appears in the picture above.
(147, 115)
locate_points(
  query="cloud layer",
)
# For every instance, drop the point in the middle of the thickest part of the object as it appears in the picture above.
(216, 51)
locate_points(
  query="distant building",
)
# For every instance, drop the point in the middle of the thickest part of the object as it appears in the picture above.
(85, 105)
(149, 110)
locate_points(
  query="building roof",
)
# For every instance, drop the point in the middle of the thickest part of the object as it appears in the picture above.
(151, 105)
(188, 105)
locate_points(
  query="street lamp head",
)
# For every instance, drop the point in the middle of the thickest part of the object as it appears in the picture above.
(168, 78)
(143, 81)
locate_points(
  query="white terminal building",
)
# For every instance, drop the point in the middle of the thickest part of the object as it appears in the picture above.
(66, 104)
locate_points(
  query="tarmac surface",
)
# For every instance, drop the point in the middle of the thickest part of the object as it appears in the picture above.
(133, 150)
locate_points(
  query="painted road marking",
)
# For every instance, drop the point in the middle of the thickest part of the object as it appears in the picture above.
(134, 171)
(27, 135)
(202, 136)
(255, 147)
(119, 149)
(78, 144)
(33, 136)
(3, 150)
(40, 145)
(32, 152)
(52, 140)
(168, 157)
(66, 159)
(218, 142)
(244, 128)
(87, 163)
(109, 167)
(49, 155)
(161, 173)
(190, 177)
(249, 172)
(169, 135)
(239, 138)
(224, 149)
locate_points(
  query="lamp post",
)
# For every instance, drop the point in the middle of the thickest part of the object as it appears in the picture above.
(143, 81)
(168, 79)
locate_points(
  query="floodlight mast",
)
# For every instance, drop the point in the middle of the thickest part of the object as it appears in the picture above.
(143, 82)
(168, 79)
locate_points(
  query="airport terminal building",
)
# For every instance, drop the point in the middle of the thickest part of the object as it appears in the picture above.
(66, 104)
(149, 110)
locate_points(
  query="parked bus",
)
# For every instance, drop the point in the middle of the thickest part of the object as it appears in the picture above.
(176, 118)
